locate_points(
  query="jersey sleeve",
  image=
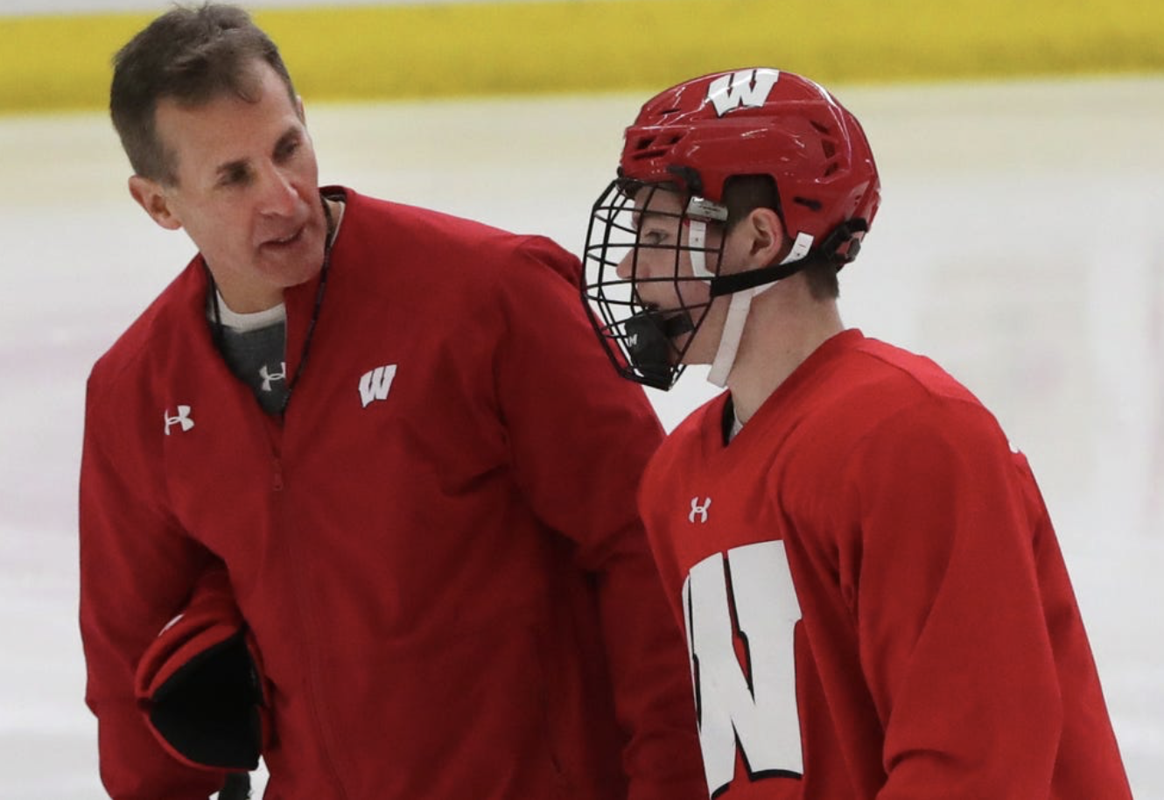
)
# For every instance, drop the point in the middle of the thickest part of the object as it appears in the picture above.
(137, 567)
(581, 437)
(952, 626)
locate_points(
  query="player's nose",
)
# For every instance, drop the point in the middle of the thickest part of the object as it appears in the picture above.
(630, 266)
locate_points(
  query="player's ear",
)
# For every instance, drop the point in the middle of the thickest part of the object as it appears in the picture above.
(151, 196)
(763, 236)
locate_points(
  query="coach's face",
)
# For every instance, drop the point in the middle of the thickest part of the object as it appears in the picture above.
(246, 190)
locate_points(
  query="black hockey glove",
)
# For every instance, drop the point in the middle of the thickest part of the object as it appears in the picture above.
(200, 683)
(237, 787)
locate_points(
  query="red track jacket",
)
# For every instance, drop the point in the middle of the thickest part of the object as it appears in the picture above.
(437, 548)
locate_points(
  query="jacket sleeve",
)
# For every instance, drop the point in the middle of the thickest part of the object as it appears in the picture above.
(581, 437)
(952, 618)
(137, 569)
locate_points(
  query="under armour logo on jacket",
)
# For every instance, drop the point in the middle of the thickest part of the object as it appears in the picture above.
(748, 88)
(698, 509)
(182, 418)
(269, 376)
(374, 385)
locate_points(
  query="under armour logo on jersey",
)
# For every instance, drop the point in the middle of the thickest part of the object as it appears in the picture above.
(269, 376)
(374, 385)
(182, 418)
(748, 88)
(699, 510)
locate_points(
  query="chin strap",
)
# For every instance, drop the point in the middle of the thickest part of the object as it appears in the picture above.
(741, 304)
(729, 341)
(839, 248)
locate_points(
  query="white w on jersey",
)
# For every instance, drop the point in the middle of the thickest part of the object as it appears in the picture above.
(758, 707)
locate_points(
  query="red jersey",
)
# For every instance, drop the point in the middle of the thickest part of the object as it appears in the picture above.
(436, 548)
(874, 598)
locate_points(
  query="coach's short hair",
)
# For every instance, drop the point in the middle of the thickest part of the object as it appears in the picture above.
(192, 56)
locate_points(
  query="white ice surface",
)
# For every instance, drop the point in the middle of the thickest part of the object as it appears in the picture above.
(1020, 244)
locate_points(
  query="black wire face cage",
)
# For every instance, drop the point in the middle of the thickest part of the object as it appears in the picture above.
(646, 331)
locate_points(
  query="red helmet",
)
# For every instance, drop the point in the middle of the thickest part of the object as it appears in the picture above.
(759, 122)
(691, 139)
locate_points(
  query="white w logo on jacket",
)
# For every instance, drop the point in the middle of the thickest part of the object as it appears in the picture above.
(374, 385)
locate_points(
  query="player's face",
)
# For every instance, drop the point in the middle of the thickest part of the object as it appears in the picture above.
(246, 191)
(663, 274)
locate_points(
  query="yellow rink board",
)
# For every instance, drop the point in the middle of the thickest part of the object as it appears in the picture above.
(445, 50)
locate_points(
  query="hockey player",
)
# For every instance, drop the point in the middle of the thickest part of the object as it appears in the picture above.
(348, 482)
(873, 596)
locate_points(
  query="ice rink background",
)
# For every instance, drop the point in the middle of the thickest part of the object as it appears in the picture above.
(1020, 244)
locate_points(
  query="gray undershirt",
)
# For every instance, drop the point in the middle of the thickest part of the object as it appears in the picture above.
(253, 346)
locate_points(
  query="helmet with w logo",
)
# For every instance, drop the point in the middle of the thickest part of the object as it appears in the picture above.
(691, 139)
(758, 122)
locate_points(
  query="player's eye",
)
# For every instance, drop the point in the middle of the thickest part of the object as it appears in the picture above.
(653, 237)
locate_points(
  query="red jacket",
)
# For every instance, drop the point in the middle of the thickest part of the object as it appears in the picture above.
(875, 600)
(445, 574)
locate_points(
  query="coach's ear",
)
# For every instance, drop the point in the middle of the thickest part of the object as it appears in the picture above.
(152, 196)
(200, 684)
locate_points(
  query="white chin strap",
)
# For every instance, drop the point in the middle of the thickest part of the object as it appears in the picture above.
(741, 304)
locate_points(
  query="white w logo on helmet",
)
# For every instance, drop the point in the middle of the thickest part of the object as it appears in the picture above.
(748, 88)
